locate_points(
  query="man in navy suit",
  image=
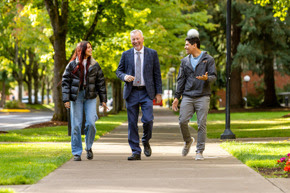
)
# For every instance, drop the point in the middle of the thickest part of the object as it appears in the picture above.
(140, 70)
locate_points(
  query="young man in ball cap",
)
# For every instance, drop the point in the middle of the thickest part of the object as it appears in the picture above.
(197, 71)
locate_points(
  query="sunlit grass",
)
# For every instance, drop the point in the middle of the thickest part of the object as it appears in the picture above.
(249, 125)
(246, 115)
(28, 163)
(40, 106)
(60, 133)
(258, 155)
(7, 190)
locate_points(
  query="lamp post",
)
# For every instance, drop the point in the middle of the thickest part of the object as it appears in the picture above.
(172, 70)
(247, 79)
(228, 134)
(169, 75)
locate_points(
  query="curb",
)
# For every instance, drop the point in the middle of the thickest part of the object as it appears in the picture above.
(14, 110)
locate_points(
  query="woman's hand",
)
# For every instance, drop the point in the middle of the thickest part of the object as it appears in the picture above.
(104, 105)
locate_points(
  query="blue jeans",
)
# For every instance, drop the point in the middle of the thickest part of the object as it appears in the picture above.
(76, 115)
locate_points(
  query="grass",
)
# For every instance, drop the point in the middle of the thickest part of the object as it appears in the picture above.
(28, 163)
(7, 190)
(259, 155)
(42, 107)
(249, 124)
(59, 133)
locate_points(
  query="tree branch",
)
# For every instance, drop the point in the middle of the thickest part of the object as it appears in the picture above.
(101, 8)
(64, 16)
(52, 10)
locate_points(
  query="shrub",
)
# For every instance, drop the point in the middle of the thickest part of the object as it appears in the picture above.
(14, 105)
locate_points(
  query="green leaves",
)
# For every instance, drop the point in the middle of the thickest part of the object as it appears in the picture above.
(280, 7)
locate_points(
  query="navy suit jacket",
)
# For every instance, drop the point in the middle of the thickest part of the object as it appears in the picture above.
(151, 72)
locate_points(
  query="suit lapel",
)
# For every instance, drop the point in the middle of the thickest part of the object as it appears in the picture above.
(132, 63)
(145, 61)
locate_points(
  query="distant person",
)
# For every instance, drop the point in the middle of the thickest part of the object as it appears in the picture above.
(82, 81)
(197, 71)
(139, 68)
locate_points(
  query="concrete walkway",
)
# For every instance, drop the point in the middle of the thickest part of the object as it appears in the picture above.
(166, 171)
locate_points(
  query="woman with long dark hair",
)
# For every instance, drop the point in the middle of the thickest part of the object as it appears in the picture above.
(82, 81)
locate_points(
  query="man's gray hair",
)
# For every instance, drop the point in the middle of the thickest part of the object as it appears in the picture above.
(135, 31)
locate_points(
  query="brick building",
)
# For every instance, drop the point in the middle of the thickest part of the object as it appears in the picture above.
(256, 81)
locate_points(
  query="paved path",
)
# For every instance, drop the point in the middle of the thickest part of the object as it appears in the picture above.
(166, 171)
(13, 121)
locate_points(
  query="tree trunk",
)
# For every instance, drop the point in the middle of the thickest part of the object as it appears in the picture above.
(36, 81)
(19, 78)
(270, 98)
(235, 83)
(60, 61)
(117, 96)
(3, 95)
(47, 90)
(28, 73)
(17, 74)
(42, 78)
(58, 15)
(20, 86)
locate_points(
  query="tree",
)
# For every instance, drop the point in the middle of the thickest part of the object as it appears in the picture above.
(215, 44)
(4, 77)
(96, 19)
(265, 40)
(58, 14)
(164, 26)
(280, 7)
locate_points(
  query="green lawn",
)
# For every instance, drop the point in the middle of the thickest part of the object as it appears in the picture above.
(249, 125)
(28, 163)
(59, 133)
(6, 190)
(260, 155)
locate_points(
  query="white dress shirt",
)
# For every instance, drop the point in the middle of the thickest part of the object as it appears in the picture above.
(142, 63)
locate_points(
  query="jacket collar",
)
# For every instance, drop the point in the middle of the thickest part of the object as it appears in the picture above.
(93, 61)
(188, 63)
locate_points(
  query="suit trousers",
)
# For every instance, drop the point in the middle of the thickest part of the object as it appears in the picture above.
(135, 99)
(188, 107)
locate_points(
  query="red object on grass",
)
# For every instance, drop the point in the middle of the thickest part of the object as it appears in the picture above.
(154, 103)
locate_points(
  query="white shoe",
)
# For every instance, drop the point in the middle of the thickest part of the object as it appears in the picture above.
(187, 146)
(199, 157)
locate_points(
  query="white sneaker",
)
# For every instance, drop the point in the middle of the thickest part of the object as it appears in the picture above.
(187, 146)
(199, 157)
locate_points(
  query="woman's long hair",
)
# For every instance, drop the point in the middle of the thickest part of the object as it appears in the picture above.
(80, 52)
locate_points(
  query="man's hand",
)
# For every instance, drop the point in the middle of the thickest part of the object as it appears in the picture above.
(175, 104)
(67, 105)
(203, 77)
(158, 98)
(129, 78)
